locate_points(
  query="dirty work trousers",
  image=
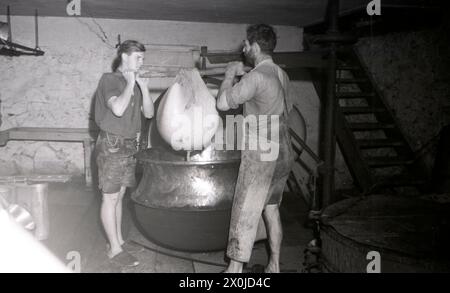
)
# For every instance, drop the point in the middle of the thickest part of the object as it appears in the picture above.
(259, 183)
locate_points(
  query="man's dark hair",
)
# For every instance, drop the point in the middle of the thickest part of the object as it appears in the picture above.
(127, 47)
(264, 35)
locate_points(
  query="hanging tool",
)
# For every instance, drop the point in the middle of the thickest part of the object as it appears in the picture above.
(13, 49)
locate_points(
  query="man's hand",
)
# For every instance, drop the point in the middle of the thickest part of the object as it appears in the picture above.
(235, 68)
(130, 77)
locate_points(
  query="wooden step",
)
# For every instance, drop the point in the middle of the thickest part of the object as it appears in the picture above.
(398, 180)
(370, 126)
(379, 162)
(354, 95)
(378, 143)
(347, 67)
(352, 80)
(361, 110)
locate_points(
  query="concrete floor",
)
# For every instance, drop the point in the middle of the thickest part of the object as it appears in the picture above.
(75, 226)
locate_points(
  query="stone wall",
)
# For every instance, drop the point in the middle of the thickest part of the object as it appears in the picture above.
(56, 90)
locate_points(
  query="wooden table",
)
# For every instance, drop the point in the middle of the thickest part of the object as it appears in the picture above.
(84, 135)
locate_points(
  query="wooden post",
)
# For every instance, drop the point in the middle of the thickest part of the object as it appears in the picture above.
(36, 29)
(8, 16)
(87, 161)
(328, 132)
(203, 52)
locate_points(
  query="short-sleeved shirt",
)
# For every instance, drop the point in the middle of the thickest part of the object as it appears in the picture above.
(263, 91)
(129, 124)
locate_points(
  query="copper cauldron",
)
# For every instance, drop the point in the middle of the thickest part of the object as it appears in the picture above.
(184, 203)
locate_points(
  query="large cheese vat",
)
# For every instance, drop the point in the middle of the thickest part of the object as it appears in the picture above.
(186, 205)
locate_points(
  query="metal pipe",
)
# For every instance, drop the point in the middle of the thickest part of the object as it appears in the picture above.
(304, 146)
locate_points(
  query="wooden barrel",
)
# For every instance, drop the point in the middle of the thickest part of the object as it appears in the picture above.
(409, 235)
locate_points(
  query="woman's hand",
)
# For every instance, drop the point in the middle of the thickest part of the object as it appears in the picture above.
(143, 82)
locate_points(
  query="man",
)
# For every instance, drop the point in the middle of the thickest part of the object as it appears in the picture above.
(260, 184)
(119, 100)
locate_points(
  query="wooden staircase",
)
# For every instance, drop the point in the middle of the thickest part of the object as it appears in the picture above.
(376, 151)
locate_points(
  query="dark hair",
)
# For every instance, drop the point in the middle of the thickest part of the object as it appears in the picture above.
(127, 47)
(264, 35)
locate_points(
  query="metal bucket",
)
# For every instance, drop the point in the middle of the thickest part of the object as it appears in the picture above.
(34, 198)
(19, 214)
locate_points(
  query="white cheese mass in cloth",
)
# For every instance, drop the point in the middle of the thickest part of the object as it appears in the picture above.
(187, 118)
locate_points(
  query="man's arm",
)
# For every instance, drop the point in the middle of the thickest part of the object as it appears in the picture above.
(147, 103)
(233, 69)
(118, 104)
(227, 85)
(231, 96)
